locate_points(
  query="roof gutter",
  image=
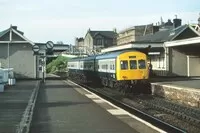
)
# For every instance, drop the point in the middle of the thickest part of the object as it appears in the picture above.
(135, 45)
(194, 40)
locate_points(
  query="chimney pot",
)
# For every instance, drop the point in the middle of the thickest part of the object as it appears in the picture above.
(14, 27)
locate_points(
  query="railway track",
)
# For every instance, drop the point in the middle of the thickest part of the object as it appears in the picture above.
(118, 100)
(169, 111)
(167, 115)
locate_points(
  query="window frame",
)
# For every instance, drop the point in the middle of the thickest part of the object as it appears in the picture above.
(127, 65)
(139, 67)
(135, 64)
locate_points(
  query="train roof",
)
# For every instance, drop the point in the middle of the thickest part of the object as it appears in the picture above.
(112, 54)
(88, 58)
(74, 59)
(82, 58)
(102, 56)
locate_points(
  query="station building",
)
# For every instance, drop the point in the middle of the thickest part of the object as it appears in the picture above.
(16, 52)
(166, 56)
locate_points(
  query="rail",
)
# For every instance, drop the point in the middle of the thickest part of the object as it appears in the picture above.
(153, 120)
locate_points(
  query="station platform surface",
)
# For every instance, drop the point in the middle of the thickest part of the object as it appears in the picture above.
(60, 108)
(182, 89)
(13, 102)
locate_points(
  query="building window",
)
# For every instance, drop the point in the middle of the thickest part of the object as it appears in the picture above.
(106, 42)
(99, 41)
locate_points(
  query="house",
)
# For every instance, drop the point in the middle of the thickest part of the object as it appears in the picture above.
(131, 34)
(79, 45)
(96, 40)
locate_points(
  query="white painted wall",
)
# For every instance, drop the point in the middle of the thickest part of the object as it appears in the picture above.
(193, 66)
(179, 63)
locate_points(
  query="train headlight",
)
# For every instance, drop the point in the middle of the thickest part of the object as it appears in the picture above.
(113, 75)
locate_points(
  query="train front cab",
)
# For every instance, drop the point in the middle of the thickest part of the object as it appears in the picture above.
(132, 69)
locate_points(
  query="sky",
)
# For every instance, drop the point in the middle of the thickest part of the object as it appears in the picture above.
(63, 20)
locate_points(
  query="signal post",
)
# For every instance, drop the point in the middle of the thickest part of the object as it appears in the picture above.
(41, 52)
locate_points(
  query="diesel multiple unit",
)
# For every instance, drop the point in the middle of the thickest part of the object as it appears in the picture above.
(122, 69)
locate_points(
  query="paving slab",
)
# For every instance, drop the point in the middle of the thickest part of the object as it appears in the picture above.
(61, 109)
(13, 102)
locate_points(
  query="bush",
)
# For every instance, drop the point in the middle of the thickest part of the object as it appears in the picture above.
(59, 64)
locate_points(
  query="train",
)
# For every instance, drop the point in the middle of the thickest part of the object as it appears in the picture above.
(125, 70)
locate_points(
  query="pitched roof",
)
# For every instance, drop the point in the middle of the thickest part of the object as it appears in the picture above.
(108, 34)
(4, 32)
(134, 27)
(17, 32)
(163, 35)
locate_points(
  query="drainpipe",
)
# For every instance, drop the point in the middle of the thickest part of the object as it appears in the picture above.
(10, 40)
(167, 59)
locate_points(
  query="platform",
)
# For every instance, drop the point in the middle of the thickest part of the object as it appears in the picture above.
(13, 103)
(183, 90)
(65, 107)
(61, 109)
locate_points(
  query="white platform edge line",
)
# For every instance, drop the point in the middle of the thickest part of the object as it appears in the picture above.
(133, 116)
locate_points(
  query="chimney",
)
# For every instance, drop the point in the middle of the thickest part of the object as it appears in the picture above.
(14, 27)
(115, 30)
(176, 22)
(155, 29)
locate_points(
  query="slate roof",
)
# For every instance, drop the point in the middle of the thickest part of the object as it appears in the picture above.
(112, 54)
(7, 30)
(3, 32)
(108, 34)
(163, 35)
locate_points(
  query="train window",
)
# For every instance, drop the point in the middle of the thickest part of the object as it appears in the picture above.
(113, 67)
(124, 65)
(141, 64)
(131, 57)
(133, 64)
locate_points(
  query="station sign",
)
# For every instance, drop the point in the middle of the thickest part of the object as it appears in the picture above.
(35, 48)
(49, 45)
